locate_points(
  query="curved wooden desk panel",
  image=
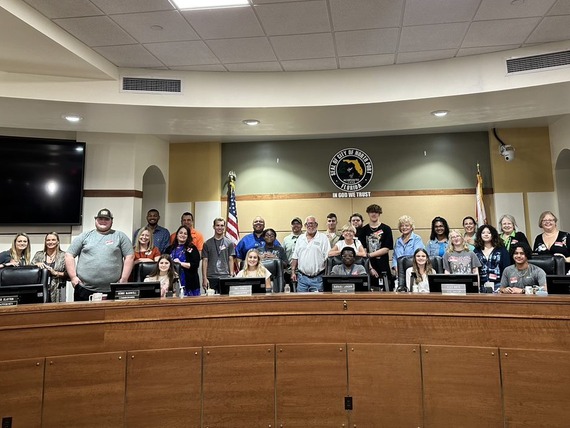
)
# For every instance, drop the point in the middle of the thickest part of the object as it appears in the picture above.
(290, 360)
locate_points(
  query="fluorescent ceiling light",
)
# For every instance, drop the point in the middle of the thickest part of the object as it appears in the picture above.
(208, 4)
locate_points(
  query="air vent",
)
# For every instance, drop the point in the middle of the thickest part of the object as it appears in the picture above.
(138, 84)
(538, 62)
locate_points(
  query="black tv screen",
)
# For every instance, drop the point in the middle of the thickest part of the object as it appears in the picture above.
(41, 181)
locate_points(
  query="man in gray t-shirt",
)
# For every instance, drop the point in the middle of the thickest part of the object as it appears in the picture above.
(218, 256)
(516, 277)
(104, 256)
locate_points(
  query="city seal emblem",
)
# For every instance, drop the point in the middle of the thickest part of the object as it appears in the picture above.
(351, 170)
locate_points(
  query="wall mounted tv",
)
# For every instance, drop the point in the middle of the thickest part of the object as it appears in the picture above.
(41, 181)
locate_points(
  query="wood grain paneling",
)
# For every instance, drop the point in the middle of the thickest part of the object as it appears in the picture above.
(21, 391)
(536, 388)
(164, 388)
(311, 385)
(385, 384)
(462, 387)
(239, 386)
(85, 391)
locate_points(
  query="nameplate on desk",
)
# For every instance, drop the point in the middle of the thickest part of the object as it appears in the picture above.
(127, 294)
(453, 289)
(9, 301)
(240, 290)
(343, 288)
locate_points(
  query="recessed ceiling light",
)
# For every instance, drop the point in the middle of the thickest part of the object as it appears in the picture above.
(251, 122)
(440, 113)
(208, 4)
(73, 118)
(157, 27)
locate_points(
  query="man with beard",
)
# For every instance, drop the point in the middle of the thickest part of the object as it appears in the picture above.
(160, 235)
(253, 240)
(104, 256)
(289, 244)
(187, 219)
(310, 257)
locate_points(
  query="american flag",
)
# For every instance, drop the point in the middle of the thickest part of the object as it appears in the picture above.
(479, 204)
(232, 227)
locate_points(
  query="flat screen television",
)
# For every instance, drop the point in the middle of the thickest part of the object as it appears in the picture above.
(41, 181)
(25, 294)
(257, 284)
(360, 282)
(446, 284)
(558, 284)
(134, 290)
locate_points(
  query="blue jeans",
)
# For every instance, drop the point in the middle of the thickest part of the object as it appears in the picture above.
(306, 284)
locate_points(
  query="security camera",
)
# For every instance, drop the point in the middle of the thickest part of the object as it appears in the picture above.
(508, 152)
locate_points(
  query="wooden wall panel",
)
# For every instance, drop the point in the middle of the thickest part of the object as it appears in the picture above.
(85, 391)
(164, 388)
(239, 386)
(461, 387)
(536, 388)
(385, 384)
(21, 391)
(311, 384)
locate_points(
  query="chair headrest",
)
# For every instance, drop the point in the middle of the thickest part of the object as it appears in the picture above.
(21, 275)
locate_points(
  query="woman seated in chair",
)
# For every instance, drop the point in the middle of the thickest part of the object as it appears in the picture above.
(348, 233)
(253, 268)
(458, 259)
(348, 266)
(145, 251)
(272, 251)
(417, 274)
(165, 273)
(19, 254)
(53, 259)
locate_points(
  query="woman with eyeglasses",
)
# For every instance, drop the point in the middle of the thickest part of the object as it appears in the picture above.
(271, 250)
(551, 240)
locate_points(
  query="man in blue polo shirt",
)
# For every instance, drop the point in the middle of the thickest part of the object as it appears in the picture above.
(253, 240)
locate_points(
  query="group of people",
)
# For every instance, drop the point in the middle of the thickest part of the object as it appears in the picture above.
(105, 255)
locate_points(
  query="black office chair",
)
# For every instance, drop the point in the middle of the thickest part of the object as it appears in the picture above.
(406, 262)
(552, 265)
(144, 269)
(25, 275)
(276, 268)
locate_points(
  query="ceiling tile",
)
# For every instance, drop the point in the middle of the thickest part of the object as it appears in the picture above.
(294, 18)
(421, 12)
(131, 6)
(505, 9)
(366, 42)
(139, 25)
(224, 23)
(96, 31)
(310, 64)
(485, 49)
(65, 8)
(255, 66)
(432, 37)
(131, 56)
(255, 49)
(562, 7)
(182, 53)
(407, 57)
(303, 46)
(366, 61)
(551, 29)
(499, 32)
(272, 1)
(210, 67)
(364, 14)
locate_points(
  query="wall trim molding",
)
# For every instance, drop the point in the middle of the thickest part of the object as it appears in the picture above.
(373, 194)
(112, 193)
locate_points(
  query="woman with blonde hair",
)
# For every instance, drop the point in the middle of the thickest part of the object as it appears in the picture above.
(407, 243)
(19, 254)
(552, 240)
(348, 233)
(253, 268)
(53, 259)
(458, 259)
(145, 251)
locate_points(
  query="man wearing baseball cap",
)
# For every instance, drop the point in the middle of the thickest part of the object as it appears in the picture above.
(104, 255)
(289, 244)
